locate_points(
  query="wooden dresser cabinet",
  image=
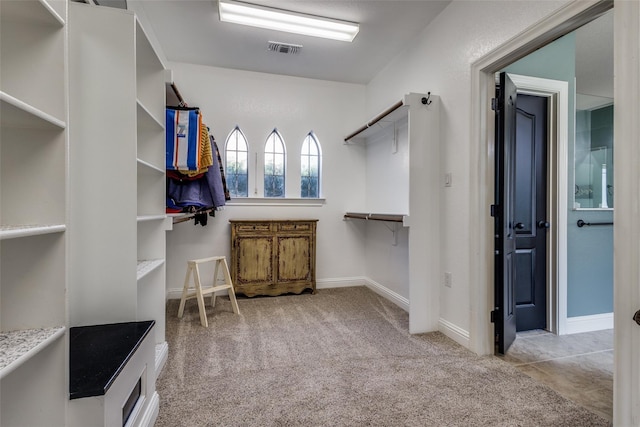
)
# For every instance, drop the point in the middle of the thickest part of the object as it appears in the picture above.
(273, 257)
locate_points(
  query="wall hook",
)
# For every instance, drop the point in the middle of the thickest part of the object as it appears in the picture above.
(427, 100)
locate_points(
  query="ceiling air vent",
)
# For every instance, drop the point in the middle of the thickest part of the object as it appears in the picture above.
(287, 48)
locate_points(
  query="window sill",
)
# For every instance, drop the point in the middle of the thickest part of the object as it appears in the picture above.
(275, 201)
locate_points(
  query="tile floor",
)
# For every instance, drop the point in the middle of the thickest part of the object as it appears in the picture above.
(577, 366)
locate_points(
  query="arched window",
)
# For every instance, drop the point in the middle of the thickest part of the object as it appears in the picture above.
(274, 164)
(236, 163)
(310, 167)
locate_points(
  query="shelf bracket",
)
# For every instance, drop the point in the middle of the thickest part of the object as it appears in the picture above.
(394, 233)
(394, 139)
(394, 238)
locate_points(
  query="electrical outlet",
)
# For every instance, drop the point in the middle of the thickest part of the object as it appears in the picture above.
(447, 279)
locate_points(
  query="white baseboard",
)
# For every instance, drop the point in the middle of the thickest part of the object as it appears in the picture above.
(342, 282)
(454, 332)
(595, 322)
(385, 292)
(162, 353)
(399, 300)
(174, 293)
(151, 414)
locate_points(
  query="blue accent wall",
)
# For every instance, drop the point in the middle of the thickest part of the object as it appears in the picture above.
(590, 249)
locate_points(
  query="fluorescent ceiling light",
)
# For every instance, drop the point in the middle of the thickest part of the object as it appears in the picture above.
(283, 20)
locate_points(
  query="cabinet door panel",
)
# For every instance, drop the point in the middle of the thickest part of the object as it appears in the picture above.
(255, 259)
(294, 258)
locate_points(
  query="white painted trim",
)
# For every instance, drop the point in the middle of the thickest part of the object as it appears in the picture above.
(174, 293)
(342, 282)
(276, 201)
(594, 322)
(557, 198)
(563, 21)
(626, 229)
(151, 414)
(454, 332)
(385, 292)
(162, 354)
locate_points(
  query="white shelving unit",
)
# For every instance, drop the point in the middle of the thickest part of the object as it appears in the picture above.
(117, 111)
(402, 205)
(33, 212)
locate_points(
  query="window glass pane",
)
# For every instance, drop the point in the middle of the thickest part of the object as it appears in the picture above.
(274, 186)
(278, 164)
(242, 160)
(310, 167)
(274, 166)
(236, 165)
(313, 169)
(232, 144)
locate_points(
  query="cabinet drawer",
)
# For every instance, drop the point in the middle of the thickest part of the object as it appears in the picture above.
(297, 226)
(251, 228)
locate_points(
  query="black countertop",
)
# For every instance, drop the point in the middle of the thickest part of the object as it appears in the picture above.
(98, 353)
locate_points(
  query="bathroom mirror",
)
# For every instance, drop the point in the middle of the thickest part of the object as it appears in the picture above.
(593, 149)
(593, 157)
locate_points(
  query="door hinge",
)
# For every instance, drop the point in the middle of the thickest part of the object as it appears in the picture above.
(494, 313)
(495, 104)
(494, 210)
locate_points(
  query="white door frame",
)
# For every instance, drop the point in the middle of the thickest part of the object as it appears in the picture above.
(626, 214)
(557, 94)
(626, 175)
(563, 21)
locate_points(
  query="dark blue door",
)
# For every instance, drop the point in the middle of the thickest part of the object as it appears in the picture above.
(531, 213)
(504, 315)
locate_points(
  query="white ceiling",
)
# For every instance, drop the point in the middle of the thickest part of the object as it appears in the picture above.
(191, 31)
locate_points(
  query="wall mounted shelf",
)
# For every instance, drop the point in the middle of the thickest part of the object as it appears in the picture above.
(13, 232)
(16, 347)
(146, 266)
(377, 217)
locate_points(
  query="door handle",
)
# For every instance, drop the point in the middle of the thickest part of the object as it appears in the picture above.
(519, 226)
(543, 224)
(636, 317)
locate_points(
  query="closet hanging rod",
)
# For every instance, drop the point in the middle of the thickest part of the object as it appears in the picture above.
(582, 223)
(376, 119)
(190, 215)
(178, 95)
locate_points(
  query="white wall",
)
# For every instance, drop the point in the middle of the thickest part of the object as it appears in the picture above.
(257, 103)
(387, 191)
(439, 60)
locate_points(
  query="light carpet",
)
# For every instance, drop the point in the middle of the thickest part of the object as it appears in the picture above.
(342, 357)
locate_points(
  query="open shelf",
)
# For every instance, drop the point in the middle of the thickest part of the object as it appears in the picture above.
(16, 347)
(17, 231)
(33, 210)
(146, 119)
(19, 114)
(376, 217)
(40, 12)
(144, 218)
(144, 167)
(147, 266)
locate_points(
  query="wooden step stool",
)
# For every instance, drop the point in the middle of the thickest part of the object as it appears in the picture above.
(199, 292)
